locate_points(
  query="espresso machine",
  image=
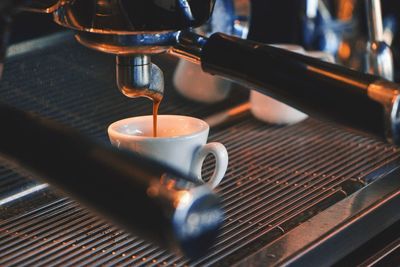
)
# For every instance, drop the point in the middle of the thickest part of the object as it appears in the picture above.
(279, 209)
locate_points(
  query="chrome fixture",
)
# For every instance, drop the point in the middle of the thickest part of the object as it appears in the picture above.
(379, 59)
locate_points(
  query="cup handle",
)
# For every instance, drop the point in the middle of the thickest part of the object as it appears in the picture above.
(221, 162)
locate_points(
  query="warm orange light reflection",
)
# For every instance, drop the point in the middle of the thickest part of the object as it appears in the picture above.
(345, 9)
(239, 109)
(336, 77)
(344, 51)
(182, 198)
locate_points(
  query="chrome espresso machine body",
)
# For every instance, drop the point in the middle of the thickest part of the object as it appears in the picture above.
(300, 193)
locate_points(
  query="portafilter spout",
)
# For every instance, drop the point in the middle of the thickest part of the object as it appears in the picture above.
(138, 77)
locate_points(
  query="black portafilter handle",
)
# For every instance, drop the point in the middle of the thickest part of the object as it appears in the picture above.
(318, 88)
(134, 192)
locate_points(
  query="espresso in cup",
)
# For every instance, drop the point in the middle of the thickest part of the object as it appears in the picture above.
(180, 143)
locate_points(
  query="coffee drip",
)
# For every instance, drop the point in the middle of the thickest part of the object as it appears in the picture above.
(156, 99)
(138, 77)
(156, 105)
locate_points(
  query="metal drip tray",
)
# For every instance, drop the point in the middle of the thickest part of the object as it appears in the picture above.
(278, 177)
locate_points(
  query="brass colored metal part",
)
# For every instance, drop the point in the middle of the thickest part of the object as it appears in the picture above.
(383, 92)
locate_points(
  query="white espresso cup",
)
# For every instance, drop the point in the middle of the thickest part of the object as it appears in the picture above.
(272, 111)
(193, 83)
(267, 109)
(180, 143)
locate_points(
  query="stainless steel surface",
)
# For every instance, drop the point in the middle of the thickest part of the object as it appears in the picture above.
(379, 55)
(139, 69)
(374, 14)
(242, 15)
(189, 46)
(128, 44)
(230, 17)
(380, 60)
(278, 178)
(138, 77)
(13, 184)
(335, 232)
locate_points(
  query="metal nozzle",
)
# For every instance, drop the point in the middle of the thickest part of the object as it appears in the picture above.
(138, 77)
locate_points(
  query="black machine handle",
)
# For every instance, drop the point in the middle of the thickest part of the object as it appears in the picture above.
(126, 187)
(321, 89)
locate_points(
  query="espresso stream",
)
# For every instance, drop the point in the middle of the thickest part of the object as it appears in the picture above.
(156, 105)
